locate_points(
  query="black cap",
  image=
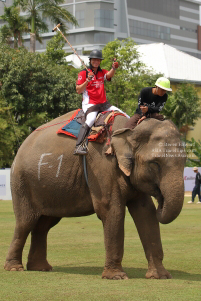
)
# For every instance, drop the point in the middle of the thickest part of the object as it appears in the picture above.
(96, 54)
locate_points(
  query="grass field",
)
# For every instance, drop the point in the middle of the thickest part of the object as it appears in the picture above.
(76, 252)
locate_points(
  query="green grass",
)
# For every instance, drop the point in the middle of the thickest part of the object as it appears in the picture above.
(76, 252)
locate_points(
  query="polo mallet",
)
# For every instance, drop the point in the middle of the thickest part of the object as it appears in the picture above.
(57, 28)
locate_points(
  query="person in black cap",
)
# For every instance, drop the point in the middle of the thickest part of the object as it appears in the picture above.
(91, 84)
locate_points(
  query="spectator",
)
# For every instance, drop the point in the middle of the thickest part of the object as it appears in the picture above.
(196, 189)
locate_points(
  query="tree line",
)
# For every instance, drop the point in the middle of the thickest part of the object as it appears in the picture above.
(37, 15)
(36, 88)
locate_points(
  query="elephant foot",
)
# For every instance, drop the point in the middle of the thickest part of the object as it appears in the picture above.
(114, 274)
(13, 265)
(43, 266)
(160, 273)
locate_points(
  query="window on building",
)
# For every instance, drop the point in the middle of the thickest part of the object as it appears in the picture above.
(79, 15)
(168, 8)
(149, 30)
(42, 45)
(79, 38)
(103, 37)
(69, 25)
(104, 18)
(188, 29)
(70, 10)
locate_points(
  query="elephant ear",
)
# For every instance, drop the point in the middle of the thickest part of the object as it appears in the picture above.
(123, 150)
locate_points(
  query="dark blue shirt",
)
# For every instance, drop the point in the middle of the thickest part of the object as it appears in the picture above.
(197, 179)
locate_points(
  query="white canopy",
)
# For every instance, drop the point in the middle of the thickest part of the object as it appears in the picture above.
(173, 63)
(75, 62)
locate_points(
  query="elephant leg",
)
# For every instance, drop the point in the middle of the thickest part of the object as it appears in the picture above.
(14, 257)
(113, 224)
(37, 258)
(143, 213)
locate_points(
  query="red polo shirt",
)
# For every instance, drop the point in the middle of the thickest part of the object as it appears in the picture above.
(95, 91)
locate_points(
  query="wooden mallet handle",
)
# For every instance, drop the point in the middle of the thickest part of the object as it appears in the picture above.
(57, 27)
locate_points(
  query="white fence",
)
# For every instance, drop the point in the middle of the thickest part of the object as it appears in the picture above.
(5, 193)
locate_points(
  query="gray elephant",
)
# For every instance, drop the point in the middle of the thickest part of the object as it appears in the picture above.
(48, 183)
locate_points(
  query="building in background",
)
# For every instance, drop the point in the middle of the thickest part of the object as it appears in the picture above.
(173, 22)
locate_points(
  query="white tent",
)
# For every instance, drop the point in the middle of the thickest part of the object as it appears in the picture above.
(74, 61)
(174, 64)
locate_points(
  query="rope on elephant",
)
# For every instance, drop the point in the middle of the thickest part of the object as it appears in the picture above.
(39, 129)
(45, 127)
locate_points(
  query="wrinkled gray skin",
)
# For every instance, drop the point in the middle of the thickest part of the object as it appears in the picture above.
(48, 183)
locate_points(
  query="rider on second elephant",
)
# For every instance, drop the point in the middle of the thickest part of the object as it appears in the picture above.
(150, 102)
(91, 85)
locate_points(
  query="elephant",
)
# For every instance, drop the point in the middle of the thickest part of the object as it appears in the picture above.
(48, 183)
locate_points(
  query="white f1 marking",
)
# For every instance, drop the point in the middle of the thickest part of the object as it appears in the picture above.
(40, 163)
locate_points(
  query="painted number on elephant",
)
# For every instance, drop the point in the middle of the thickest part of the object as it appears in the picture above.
(58, 170)
(42, 163)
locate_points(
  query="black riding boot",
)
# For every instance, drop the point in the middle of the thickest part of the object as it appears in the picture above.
(81, 147)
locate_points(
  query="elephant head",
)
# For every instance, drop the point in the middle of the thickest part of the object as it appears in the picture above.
(152, 155)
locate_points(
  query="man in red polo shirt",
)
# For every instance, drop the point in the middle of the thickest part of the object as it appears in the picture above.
(91, 84)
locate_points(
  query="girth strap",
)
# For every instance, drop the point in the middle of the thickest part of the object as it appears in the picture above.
(85, 169)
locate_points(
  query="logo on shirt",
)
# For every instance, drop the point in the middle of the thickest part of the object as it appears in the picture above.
(97, 84)
(79, 77)
(161, 107)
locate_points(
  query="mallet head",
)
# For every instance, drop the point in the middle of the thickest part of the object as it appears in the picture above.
(56, 27)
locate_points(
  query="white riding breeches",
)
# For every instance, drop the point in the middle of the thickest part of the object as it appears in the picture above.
(91, 117)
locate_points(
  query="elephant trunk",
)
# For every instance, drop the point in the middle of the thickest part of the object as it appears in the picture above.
(171, 198)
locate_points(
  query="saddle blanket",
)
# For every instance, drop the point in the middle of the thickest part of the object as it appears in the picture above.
(102, 125)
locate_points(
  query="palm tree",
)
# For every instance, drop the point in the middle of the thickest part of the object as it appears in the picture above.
(37, 10)
(15, 27)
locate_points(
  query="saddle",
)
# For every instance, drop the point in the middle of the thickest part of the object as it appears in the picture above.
(100, 131)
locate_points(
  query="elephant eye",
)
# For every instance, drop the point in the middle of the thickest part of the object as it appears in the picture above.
(154, 164)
